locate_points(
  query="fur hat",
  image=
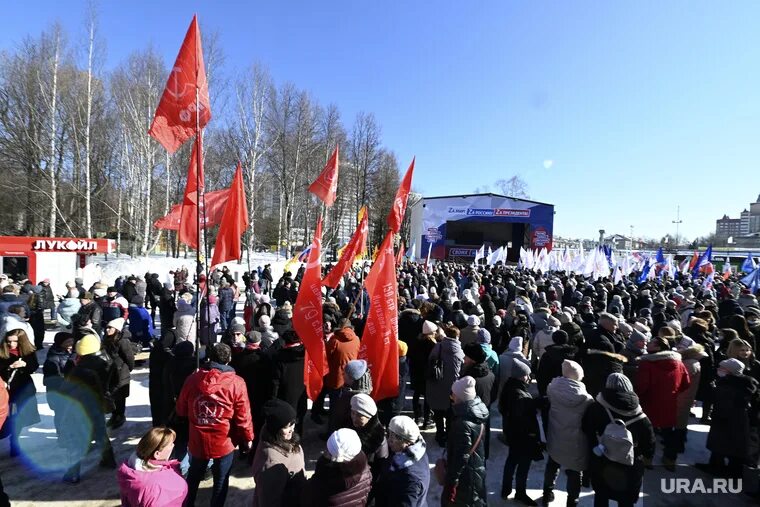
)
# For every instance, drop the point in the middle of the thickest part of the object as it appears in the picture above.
(344, 445)
(363, 404)
(464, 388)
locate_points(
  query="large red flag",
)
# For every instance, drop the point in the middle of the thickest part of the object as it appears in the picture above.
(400, 254)
(234, 222)
(379, 344)
(396, 216)
(175, 118)
(356, 245)
(188, 223)
(307, 318)
(214, 202)
(326, 185)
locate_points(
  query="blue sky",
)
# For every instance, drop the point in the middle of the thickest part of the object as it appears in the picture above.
(641, 106)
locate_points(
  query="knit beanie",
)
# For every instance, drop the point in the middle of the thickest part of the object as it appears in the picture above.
(464, 388)
(344, 445)
(484, 336)
(117, 324)
(428, 327)
(473, 320)
(356, 368)
(264, 321)
(237, 328)
(732, 366)
(559, 337)
(552, 322)
(619, 382)
(363, 404)
(572, 370)
(278, 414)
(516, 344)
(404, 427)
(475, 352)
(88, 344)
(519, 369)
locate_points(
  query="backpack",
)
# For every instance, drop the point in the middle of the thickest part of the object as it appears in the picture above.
(616, 442)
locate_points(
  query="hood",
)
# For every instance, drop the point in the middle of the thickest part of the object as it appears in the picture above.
(472, 410)
(510, 354)
(568, 392)
(609, 355)
(696, 352)
(408, 456)
(345, 335)
(623, 403)
(665, 355)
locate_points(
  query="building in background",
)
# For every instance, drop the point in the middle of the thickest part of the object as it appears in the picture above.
(727, 227)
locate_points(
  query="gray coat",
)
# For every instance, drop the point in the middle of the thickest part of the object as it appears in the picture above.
(438, 391)
(565, 440)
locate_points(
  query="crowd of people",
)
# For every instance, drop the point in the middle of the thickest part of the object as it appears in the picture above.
(590, 376)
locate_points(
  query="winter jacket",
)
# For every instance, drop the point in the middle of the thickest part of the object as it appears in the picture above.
(565, 441)
(184, 320)
(485, 382)
(691, 360)
(550, 365)
(67, 308)
(374, 444)
(542, 340)
(123, 358)
(505, 365)
(210, 319)
(631, 367)
(287, 374)
(405, 479)
(338, 484)
(417, 355)
(278, 474)
(730, 428)
(409, 324)
(660, 379)
(469, 335)
(89, 315)
(215, 401)
(140, 324)
(518, 418)
(466, 473)
(268, 336)
(226, 299)
(597, 366)
(618, 482)
(54, 367)
(342, 348)
(22, 391)
(438, 391)
(281, 322)
(143, 487)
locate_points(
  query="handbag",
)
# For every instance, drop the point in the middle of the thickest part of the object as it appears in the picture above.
(436, 367)
(441, 464)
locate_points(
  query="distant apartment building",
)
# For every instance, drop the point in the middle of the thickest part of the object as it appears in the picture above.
(727, 227)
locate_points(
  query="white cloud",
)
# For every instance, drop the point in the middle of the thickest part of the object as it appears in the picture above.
(548, 163)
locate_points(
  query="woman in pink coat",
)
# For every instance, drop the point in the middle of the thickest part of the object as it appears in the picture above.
(148, 478)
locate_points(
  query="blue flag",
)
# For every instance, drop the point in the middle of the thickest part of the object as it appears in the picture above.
(660, 257)
(749, 265)
(752, 280)
(645, 272)
(703, 259)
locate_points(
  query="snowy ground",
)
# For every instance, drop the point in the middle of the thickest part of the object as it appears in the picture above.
(35, 478)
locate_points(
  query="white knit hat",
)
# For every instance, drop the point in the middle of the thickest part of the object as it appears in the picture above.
(363, 404)
(428, 327)
(572, 370)
(343, 445)
(404, 427)
(464, 389)
(117, 324)
(732, 366)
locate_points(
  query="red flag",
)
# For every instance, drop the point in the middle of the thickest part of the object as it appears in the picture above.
(234, 222)
(379, 344)
(354, 247)
(175, 118)
(214, 202)
(188, 223)
(400, 254)
(307, 318)
(396, 216)
(326, 184)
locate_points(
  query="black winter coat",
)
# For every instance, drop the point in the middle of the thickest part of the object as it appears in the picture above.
(618, 482)
(54, 368)
(730, 427)
(518, 417)
(345, 484)
(287, 374)
(123, 357)
(467, 472)
(254, 367)
(597, 366)
(409, 325)
(550, 364)
(417, 355)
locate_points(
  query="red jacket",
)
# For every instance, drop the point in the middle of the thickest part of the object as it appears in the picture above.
(342, 348)
(661, 376)
(4, 402)
(215, 401)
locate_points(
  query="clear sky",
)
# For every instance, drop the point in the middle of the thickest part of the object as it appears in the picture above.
(616, 112)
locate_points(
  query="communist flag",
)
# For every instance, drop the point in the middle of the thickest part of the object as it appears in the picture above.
(188, 222)
(379, 344)
(175, 118)
(234, 222)
(396, 215)
(326, 185)
(356, 245)
(214, 202)
(307, 318)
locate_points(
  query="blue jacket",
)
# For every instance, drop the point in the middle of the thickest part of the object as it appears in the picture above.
(140, 324)
(405, 479)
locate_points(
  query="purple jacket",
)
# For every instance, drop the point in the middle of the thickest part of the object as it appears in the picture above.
(161, 488)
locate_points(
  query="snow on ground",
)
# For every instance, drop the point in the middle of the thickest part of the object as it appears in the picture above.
(34, 479)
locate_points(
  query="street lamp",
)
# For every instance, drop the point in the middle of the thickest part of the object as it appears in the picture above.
(677, 221)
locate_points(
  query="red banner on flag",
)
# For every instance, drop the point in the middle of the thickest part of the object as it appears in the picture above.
(188, 224)
(175, 118)
(234, 222)
(214, 202)
(400, 254)
(326, 185)
(356, 245)
(307, 318)
(379, 344)
(396, 215)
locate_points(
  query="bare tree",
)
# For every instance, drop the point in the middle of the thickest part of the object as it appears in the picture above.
(513, 187)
